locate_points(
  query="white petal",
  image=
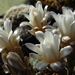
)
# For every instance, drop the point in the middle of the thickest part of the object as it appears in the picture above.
(40, 36)
(65, 51)
(55, 24)
(33, 47)
(65, 38)
(33, 55)
(40, 9)
(24, 24)
(55, 66)
(7, 25)
(3, 41)
(2, 49)
(17, 41)
(3, 55)
(2, 32)
(38, 3)
(56, 31)
(10, 38)
(16, 33)
(45, 9)
(41, 65)
(27, 16)
(48, 26)
(67, 11)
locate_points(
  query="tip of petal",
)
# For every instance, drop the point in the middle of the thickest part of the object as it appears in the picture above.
(65, 51)
(41, 65)
(56, 66)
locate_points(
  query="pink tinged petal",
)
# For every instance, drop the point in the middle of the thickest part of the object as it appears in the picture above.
(65, 51)
(56, 66)
(33, 55)
(65, 38)
(33, 47)
(41, 65)
(40, 36)
(24, 24)
(7, 25)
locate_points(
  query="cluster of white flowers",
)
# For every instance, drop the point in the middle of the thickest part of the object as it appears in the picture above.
(50, 50)
(55, 43)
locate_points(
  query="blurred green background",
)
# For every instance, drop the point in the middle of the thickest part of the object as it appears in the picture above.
(6, 4)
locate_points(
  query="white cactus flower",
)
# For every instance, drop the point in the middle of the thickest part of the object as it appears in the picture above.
(48, 51)
(37, 17)
(8, 38)
(66, 23)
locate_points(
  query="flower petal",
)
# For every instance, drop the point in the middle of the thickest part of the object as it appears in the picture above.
(2, 50)
(7, 25)
(5, 68)
(55, 66)
(40, 36)
(3, 33)
(41, 65)
(24, 24)
(3, 55)
(4, 41)
(10, 38)
(65, 38)
(65, 51)
(45, 9)
(33, 47)
(33, 55)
